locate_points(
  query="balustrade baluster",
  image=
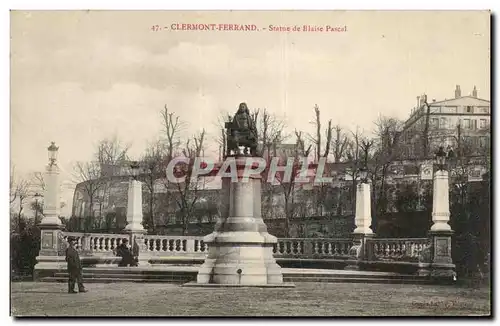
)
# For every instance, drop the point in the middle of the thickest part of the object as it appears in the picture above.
(403, 249)
(387, 250)
(329, 248)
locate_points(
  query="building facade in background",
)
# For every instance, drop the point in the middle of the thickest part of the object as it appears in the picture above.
(447, 122)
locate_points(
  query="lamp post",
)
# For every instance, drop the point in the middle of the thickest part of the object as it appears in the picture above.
(363, 174)
(440, 233)
(134, 213)
(51, 255)
(362, 220)
(51, 191)
(52, 151)
(440, 159)
(134, 168)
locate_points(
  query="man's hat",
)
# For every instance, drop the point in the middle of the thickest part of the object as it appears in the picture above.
(71, 239)
(124, 240)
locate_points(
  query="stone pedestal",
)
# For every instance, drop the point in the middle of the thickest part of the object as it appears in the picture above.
(363, 221)
(240, 250)
(134, 220)
(442, 267)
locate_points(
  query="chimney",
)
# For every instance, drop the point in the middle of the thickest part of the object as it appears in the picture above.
(424, 98)
(474, 92)
(418, 102)
(458, 92)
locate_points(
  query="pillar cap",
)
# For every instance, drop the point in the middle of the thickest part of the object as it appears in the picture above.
(441, 233)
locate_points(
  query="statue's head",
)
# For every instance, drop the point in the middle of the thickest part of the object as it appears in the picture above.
(243, 108)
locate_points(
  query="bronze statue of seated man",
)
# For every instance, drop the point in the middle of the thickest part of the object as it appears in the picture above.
(241, 131)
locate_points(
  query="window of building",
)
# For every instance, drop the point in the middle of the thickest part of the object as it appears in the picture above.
(468, 109)
(449, 109)
(443, 124)
(484, 109)
(482, 123)
(483, 141)
(466, 123)
(435, 122)
(435, 109)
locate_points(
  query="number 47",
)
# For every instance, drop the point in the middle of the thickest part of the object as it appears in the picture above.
(155, 28)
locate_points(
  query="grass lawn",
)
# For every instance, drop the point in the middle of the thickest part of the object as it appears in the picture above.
(307, 299)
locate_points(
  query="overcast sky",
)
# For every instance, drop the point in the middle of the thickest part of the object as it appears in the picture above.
(77, 77)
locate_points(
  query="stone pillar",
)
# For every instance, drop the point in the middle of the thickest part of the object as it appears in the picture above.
(240, 250)
(51, 256)
(134, 207)
(363, 221)
(51, 197)
(440, 202)
(442, 266)
(134, 220)
(363, 215)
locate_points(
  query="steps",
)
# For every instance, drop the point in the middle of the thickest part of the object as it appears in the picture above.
(185, 274)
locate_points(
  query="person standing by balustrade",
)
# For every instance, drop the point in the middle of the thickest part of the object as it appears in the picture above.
(74, 268)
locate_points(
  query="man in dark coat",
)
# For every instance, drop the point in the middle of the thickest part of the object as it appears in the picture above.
(74, 268)
(124, 251)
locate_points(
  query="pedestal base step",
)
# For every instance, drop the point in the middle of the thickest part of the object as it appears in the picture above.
(211, 285)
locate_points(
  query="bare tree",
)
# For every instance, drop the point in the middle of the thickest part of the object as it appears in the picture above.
(271, 129)
(289, 187)
(353, 153)
(88, 174)
(19, 191)
(221, 138)
(38, 182)
(187, 192)
(112, 151)
(317, 138)
(13, 186)
(154, 163)
(320, 191)
(172, 126)
(339, 144)
(387, 133)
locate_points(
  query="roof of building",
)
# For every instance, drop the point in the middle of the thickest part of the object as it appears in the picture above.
(464, 100)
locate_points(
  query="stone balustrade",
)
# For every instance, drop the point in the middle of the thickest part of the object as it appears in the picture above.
(96, 243)
(403, 249)
(164, 245)
(312, 248)
(378, 249)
